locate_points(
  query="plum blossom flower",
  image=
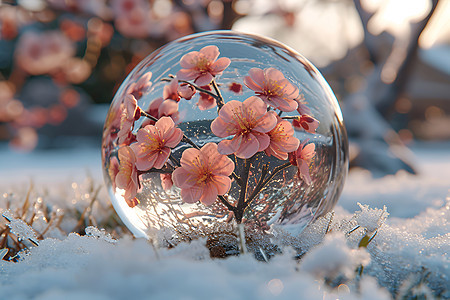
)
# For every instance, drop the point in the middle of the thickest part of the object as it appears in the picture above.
(203, 174)
(175, 92)
(162, 108)
(166, 181)
(141, 86)
(273, 88)
(202, 66)
(301, 158)
(206, 101)
(249, 122)
(282, 140)
(302, 108)
(127, 177)
(113, 169)
(43, 53)
(154, 142)
(306, 122)
(130, 113)
(133, 18)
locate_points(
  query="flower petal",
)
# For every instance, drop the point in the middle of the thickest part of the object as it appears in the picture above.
(161, 157)
(183, 178)
(227, 147)
(248, 147)
(223, 129)
(308, 152)
(222, 184)
(209, 195)
(211, 52)
(229, 111)
(266, 123)
(253, 108)
(190, 160)
(189, 60)
(174, 138)
(167, 108)
(220, 65)
(264, 141)
(303, 172)
(274, 74)
(204, 79)
(192, 194)
(257, 76)
(187, 74)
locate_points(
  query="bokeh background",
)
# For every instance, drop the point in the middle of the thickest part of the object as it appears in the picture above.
(388, 62)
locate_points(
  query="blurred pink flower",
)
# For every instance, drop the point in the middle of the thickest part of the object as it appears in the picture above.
(141, 86)
(133, 18)
(302, 108)
(127, 177)
(202, 66)
(113, 169)
(175, 91)
(206, 101)
(249, 122)
(301, 158)
(272, 87)
(235, 88)
(131, 112)
(43, 52)
(98, 7)
(306, 122)
(203, 174)
(166, 181)
(154, 142)
(282, 140)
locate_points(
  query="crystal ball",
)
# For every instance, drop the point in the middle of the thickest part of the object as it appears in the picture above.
(223, 130)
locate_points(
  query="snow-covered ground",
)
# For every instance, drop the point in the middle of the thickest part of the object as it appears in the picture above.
(408, 255)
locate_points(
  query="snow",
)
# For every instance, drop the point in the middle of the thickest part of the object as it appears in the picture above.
(407, 216)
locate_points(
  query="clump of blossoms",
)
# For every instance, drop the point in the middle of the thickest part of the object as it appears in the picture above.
(255, 127)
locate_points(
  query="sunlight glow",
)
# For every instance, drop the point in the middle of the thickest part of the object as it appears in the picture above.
(394, 16)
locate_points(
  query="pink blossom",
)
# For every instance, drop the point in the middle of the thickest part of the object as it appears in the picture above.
(282, 140)
(131, 112)
(206, 101)
(272, 87)
(186, 91)
(162, 108)
(301, 158)
(203, 174)
(249, 122)
(113, 169)
(166, 181)
(302, 108)
(306, 122)
(175, 92)
(202, 66)
(133, 18)
(127, 177)
(141, 86)
(43, 53)
(154, 142)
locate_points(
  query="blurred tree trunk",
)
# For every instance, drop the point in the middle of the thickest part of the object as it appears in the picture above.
(376, 145)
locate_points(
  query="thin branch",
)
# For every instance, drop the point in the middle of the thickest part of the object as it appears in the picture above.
(227, 204)
(198, 88)
(266, 181)
(219, 99)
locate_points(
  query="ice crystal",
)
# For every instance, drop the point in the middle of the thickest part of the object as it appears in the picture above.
(21, 229)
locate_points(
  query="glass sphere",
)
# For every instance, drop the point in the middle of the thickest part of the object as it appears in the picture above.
(222, 128)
